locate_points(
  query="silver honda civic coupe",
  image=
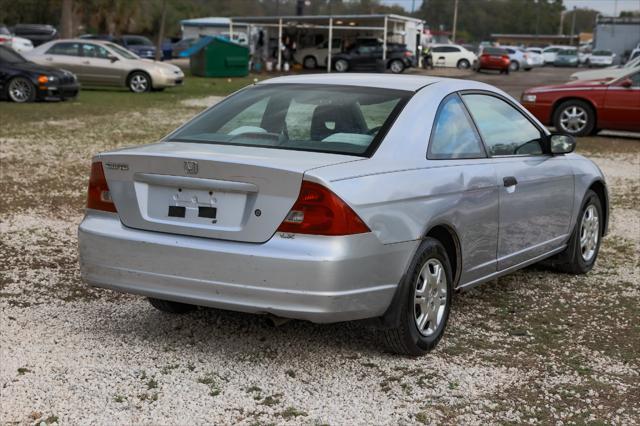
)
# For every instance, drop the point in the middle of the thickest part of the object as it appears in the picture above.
(341, 197)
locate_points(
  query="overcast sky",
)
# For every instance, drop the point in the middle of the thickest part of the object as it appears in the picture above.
(606, 7)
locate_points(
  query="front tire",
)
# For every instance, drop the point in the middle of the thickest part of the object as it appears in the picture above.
(514, 66)
(21, 90)
(139, 82)
(171, 307)
(584, 245)
(574, 117)
(425, 302)
(396, 66)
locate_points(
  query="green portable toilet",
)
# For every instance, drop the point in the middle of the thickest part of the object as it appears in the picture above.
(218, 57)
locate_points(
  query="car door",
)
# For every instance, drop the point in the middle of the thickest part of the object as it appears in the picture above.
(64, 55)
(97, 65)
(621, 109)
(364, 57)
(466, 179)
(536, 188)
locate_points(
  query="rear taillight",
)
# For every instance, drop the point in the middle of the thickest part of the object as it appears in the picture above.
(408, 53)
(319, 211)
(99, 197)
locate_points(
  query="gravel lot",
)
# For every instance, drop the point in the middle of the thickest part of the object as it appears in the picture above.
(535, 346)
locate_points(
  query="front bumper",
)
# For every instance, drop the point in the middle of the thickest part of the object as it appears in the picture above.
(160, 80)
(58, 91)
(315, 278)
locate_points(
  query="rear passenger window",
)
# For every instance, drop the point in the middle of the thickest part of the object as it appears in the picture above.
(67, 49)
(504, 129)
(453, 135)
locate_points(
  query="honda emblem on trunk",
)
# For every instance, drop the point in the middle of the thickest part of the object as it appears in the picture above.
(191, 167)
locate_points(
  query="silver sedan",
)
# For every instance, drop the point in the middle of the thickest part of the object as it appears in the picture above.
(103, 63)
(332, 198)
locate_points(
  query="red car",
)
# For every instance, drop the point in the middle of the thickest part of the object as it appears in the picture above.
(494, 58)
(585, 107)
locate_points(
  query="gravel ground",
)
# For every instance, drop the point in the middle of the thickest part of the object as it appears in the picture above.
(535, 346)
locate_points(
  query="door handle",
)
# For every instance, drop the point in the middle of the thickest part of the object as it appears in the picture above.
(510, 181)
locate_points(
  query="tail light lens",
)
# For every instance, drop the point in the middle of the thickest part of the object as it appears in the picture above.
(408, 53)
(99, 197)
(318, 211)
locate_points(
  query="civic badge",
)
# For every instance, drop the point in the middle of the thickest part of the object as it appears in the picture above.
(191, 167)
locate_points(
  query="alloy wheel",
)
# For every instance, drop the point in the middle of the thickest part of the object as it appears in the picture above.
(430, 297)
(20, 90)
(341, 65)
(589, 233)
(139, 83)
(573, 119)
(396, 67)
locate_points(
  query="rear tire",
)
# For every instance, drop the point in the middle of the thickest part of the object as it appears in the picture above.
(584, 245)
(574, 117)
(463, 64)
(425, 302)
(341, 65)
(514, 66)
(171, 307)
(310, 62)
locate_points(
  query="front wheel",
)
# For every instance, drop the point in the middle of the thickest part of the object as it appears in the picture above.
(21, 90)
(342, 65)
(396, 66)
(584, 244)
(139, 82)
(514, 66)
(310, 62)
(425, 302)
(574, 117)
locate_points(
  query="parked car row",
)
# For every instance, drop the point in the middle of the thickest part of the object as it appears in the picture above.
(19, 44)
(57, 68)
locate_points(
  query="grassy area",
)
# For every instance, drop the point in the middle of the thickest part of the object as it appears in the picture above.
(105, 101)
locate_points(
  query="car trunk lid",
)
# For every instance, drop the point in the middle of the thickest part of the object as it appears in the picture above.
(214, 191)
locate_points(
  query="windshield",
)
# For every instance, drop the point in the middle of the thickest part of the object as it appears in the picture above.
(568, 52)
(122, 51)
(494, 51)
(4, 30)
(601, 53)
(9, 56)
(138, 41)
(324, 118)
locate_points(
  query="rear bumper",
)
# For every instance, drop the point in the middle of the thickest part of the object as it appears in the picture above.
(320, 279)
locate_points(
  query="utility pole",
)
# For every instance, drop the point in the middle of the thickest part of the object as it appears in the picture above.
(455, 21)
(573, 24)
(161, 31)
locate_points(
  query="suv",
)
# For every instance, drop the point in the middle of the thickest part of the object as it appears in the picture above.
(37, 33)
(369, 57)
(139, 45)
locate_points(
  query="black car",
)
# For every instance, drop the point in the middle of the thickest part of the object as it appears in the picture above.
(37, 33)
(139, 45)
(369, 57)
(24, 81)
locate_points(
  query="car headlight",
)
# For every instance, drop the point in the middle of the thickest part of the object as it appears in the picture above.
(528, 98)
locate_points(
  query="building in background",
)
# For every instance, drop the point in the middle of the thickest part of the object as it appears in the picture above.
(619, 35)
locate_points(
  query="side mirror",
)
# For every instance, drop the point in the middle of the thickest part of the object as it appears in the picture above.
(112, 58)
(626, 83)
(561, 144)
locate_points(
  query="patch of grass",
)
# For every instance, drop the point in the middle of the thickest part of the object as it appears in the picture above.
(292, 412)
(254, 389)
(152, 384)
(119, 398)
(211, 380)
(290, 373)
(52, 419)
(167, 368)
(272, 400)
(23, 370)
(422, 417)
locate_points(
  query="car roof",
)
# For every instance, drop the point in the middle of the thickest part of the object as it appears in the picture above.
(384, 81)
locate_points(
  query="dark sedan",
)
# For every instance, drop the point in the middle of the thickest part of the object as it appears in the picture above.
(24, 81)
(369, 57)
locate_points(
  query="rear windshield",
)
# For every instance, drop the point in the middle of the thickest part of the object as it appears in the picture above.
(324, 118)
(601, 53)
(494, 51)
